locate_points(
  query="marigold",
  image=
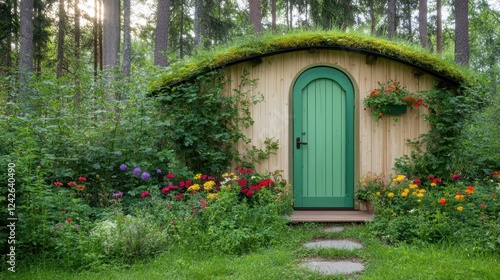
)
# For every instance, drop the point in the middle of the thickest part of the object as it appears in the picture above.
(459, 197)
(377, 193)
(195, 187)
(404, 194)
(399, 178)
(390, 195)
(442, 201)
(413, 186)
(209, 185)
(197, 176)
(420, 195)
(433, 184)
(460, 208)
(212, 195)
(470, 190)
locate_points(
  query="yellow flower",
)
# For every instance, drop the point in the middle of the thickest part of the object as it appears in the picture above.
(421, 191)
(413, 186)
(414, 193)
(433, 184)
(209, 185)
(404, 194)
(460, 208)
(420, 195)
(390, 195)
(406, 190)
(195, 187)
(399, 178)
(97, 176)
(197, 176)
(377, 193)
(212, 195)
(459, 197)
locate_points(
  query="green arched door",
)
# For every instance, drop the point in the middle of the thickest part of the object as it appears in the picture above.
(323, 151)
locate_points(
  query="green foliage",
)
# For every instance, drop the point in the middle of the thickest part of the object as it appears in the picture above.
(205, 126)
(447, 116)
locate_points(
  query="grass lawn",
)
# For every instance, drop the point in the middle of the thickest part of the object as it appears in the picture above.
(282, 262)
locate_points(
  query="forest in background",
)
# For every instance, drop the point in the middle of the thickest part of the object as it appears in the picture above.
(68, 37)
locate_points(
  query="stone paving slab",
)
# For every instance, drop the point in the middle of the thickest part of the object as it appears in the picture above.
(337, 244)
(334, 229)
(334, 267)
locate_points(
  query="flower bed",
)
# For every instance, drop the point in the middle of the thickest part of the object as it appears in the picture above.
(434, 209)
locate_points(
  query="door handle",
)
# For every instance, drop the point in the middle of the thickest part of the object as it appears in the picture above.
(298, 143)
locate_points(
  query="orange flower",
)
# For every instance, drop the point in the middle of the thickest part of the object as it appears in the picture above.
(442, 201)
(470, 190)
(80, 187)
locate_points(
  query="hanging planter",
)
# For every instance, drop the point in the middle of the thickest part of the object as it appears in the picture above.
(393, 110)
(390, 99)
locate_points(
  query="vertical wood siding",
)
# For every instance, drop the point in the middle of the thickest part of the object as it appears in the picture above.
(376, 145)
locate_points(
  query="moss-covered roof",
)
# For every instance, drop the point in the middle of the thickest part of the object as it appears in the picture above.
(252, 47)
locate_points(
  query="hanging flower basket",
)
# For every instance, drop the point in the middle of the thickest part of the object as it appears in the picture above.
(390, 99)
(393, 110)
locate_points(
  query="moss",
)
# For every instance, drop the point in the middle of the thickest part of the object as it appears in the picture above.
(261, 45)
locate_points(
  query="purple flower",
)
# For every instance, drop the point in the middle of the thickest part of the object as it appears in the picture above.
(158, 171)
(145, 176)
(118, 194)
(136, 171)
(123, 167)
(456, 177)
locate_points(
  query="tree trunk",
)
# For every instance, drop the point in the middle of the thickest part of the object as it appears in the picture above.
(255, 15)
(26, 40)
(439, 28)
(161, 35)
(422, 22)
(77, 31)
(181, 32)
(111, 33)
(462, 32)
(391, 18)
(198, 11)
(99, 24)
(372, 17)
(127, 44)
(273, 15)
(60, 40)
(96, 39)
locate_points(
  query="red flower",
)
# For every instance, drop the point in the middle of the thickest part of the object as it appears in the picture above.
(69, 220)
(249, 193)
(72, 183)
(455, 177)
(483, 205)
(58, 184)
(243, 171)
(204, 177)
(244, 190)
(442, 201)
(188, 183)
(144, 194)
(81, 178)
(431, 177)
(179, 196)
(437, 180)
(249, 170)
(165, 190)
(419, 102)
(182, 184)
(170, 176)
(242, 183)
(417, 181)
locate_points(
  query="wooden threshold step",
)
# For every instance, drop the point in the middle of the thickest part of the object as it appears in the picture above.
(334, 216)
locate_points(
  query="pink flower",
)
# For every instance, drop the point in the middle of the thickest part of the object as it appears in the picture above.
(72, 183)
(204, 177)
(455, 177)
(165, 190)
(81, 178)
(58, 184)
(170, 176)
(144, 194)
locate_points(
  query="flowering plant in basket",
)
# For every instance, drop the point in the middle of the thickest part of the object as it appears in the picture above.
(389, 96)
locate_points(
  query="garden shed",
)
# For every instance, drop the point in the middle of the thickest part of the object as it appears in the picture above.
(313, 86)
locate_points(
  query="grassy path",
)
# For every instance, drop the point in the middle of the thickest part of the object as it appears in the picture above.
(281, 262)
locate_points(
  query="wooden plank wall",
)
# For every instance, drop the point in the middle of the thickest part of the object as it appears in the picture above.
(376, 145)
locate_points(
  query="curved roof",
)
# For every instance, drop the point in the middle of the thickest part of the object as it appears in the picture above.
(253, 47)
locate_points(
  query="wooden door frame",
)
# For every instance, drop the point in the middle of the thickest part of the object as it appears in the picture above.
(356, 112)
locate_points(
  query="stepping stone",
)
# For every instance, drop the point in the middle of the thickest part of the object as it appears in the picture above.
(337, 244)
(333, 267)
(334, 229)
